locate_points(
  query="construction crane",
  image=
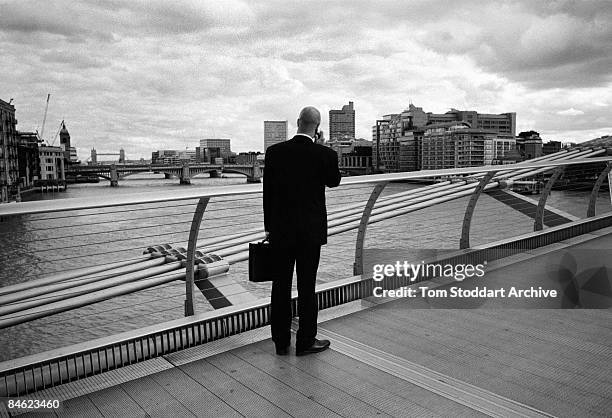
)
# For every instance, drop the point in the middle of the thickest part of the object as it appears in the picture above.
(57, 133)
(42, 128)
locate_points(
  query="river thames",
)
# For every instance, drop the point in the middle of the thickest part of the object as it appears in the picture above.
(36, 246)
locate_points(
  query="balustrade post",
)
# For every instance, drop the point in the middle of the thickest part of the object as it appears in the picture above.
(469, 210)
(363, 225)
(191, 248)
(593, 199)
(538, 225)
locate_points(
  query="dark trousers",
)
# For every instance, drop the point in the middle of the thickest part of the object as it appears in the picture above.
(305, 258)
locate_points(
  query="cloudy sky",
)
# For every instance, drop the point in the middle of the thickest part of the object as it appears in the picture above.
(147, 75)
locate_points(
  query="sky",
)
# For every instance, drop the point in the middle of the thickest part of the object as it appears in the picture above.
(163, 74)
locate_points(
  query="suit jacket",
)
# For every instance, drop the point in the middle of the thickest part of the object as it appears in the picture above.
(295, 175)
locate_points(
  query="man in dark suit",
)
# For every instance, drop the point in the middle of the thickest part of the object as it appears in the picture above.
(295, 220)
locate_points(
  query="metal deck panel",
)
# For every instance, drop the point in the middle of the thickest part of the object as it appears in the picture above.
(154, 399)
(284, 396)
(468, 354)
(333, 397)
(235, 394)
(192, 395)
(114, 401)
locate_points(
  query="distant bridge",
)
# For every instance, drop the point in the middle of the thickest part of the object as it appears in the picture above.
(116, 172)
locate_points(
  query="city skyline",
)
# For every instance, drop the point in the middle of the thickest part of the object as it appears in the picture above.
(166, 74)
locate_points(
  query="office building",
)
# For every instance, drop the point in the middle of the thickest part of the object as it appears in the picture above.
(401, 137)
(213, 148)
(353, 153)
(342, 123)
(551, 147)
(248, 158)
(28, 158)
(51, 163)
(504, 123)
(275, 131)
(165, 157)
(529, 144)
(455, 145)
(9, 164)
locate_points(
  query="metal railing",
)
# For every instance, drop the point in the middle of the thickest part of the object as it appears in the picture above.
(354, 213)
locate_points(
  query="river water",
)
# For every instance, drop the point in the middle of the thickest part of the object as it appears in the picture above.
(35, 246)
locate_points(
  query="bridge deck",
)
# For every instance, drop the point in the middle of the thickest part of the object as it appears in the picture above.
(399, 359)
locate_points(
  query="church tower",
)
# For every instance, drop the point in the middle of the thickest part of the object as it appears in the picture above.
(65, 137)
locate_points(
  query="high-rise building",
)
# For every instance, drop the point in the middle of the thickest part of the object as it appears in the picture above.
(275, 131)
(342, 123)
(9, 165)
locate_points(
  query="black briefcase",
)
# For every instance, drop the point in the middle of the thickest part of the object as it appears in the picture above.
(261, 262)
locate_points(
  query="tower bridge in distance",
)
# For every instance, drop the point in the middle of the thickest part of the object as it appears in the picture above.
(185, 172)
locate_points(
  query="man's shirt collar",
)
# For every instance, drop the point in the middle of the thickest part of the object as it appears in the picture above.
(307, 136)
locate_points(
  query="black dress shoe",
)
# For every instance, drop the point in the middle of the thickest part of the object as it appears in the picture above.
(316, 347)
(282, 351)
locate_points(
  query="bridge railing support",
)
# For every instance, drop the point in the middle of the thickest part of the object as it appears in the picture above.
(595, 192)
(191, 249)
(469, 210)
(539, 218)
(363, 226)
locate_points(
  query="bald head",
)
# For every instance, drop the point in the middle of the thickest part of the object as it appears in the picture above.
(308, 121)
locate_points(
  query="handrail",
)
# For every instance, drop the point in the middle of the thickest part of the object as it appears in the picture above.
(25, 208)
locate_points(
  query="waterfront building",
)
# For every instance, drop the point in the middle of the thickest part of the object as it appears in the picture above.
(342, 123)
(504, 150)
(504, 123)
(551, 147)
(529, 144)
(174, 157)
(28, 158)
(9, 163)
(401, 137)
(212, 148)
(250, 157)
(51, 163)
(187, 156)
(275, 131)
(454, 145)
(353, 153)
(409, 151)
